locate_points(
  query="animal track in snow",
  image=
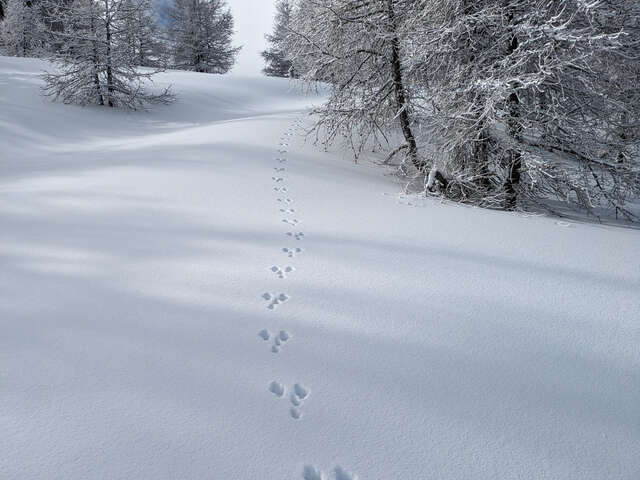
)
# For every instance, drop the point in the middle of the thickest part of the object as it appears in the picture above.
(285, 200)
(275, 300)
(311, 473)
(288, 210)
(296, 235)
(280, 189)
(280, 339)
(277, 389)
(293, 222)
(277, 179)
(292, 252)
(341, 474)
(264, 334)
(300, 391)
(279, 169)
(296, 400)
(282, 272)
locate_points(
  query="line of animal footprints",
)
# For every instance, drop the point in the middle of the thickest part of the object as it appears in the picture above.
(275, 300)
(278, 340)
(297, 397)
(339, 473)
(281, 272)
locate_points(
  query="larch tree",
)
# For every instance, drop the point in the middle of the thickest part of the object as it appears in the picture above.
(95, 62)
(530, 98)
(201, 33)
(357, 47)
(500, 103)
(141, 34)
(277, 61)
(23, 31)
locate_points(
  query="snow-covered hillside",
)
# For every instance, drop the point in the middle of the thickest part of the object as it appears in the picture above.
(195, 293)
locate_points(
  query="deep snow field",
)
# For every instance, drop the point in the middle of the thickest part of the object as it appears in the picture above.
(195, 293)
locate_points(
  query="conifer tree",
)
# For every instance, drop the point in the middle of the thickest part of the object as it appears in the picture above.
(356, 46)
(95, 62)
(142, 35)
(276, 58)
(201, 32)
(23, 32)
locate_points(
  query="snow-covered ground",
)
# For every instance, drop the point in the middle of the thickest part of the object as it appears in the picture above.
(427, 341)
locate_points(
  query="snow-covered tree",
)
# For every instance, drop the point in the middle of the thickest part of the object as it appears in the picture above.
(278, 63)
(201, 33)
(141, 34)
(355, 45)
(530, 98)
(516, 101)
(95, 61)
(23, 32)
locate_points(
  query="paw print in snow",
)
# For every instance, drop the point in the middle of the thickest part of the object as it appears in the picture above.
(282, 272)
(292, 252)
(275, 300)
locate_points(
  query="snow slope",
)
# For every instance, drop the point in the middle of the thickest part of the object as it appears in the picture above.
(427, 341)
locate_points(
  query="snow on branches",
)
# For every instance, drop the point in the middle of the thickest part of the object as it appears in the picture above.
(518, 101)
(96, 60)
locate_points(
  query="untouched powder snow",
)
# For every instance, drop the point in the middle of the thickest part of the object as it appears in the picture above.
(196, 293)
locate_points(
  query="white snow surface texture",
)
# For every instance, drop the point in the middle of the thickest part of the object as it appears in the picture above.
(145, 335)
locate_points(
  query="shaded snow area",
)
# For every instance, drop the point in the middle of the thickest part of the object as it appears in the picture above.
(196, 293)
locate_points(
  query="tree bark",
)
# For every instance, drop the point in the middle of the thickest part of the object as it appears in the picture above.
(514, 129)
(399, 90)
(108, 54)
(96, 77)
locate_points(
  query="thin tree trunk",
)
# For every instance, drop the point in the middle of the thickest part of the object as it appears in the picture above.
(399, 90)
(514, 160)
(24, 35)
(108, 55)
(96, 78)
(514, 129)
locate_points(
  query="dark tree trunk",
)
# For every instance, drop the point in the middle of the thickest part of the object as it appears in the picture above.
(399, 90)
(514, 129)
(96, 77)
(108, 54)
(480, 156)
